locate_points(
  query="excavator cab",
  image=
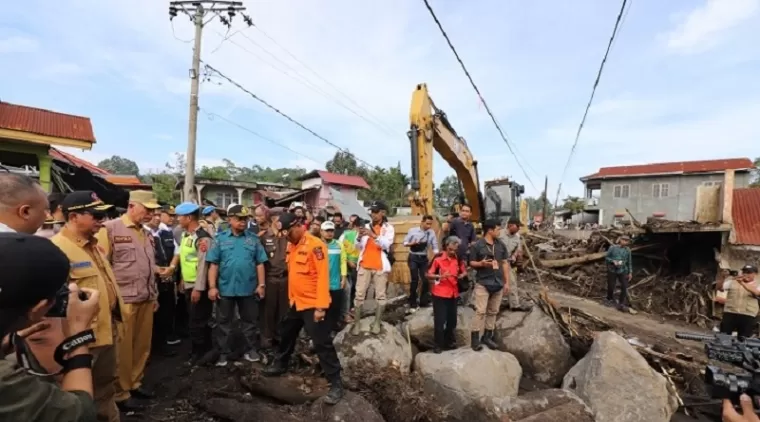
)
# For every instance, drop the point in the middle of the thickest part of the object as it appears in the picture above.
(502, 199)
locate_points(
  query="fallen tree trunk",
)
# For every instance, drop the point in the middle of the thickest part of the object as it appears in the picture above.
(233, 410)
(566, 262)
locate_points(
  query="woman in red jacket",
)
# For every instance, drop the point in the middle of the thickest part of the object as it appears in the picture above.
(444, 274)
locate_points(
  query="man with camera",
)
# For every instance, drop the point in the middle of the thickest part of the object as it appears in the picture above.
(741, 308)
(33, 284)
(84, 214)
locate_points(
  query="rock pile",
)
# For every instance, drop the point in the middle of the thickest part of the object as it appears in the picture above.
(611, 383)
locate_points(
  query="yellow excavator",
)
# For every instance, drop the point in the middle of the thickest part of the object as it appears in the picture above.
(430, 130)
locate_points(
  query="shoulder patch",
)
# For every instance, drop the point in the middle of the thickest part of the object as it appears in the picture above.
(319, 253)
(81, 264)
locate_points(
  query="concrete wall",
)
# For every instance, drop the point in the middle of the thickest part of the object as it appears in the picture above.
(233, 195)
(678, 205)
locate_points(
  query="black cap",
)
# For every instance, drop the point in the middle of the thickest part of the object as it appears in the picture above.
(378, 206)
(33, 269)
(749, 269)
(83, 200)
(169, 209)
(288, 220)
(239, 211)
(515, 221)
(491, 223)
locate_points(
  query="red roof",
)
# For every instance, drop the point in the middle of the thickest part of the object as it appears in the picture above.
(59, 155)
(337, 179)
(680, 167)
(45, 122)
(746, 215)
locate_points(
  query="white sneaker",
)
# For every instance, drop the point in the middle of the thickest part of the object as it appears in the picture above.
(222, 362)
(252, 356)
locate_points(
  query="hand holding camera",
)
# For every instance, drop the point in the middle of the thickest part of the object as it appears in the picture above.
(81, 308)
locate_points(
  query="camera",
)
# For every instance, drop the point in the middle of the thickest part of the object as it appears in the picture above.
(740, 352)
(62, 302)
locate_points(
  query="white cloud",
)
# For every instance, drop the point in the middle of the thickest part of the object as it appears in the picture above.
(706, 25)
(18, 44)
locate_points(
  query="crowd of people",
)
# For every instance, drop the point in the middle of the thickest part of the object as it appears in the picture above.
(89, 292)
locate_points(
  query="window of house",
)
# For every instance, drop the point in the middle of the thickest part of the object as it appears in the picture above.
(224, 199)
(621, 191)
(660, 190)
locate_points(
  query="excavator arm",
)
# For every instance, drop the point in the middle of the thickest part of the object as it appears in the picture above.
(431, 131)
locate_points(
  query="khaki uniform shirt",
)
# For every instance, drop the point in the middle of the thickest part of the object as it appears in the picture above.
(738, 299)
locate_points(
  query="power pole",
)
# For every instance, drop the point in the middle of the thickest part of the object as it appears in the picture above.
(544, 217)
(197, 11)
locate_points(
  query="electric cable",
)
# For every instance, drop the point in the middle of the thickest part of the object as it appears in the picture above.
(477, 91)
(213, 116)
(283, 114)
(615, 30)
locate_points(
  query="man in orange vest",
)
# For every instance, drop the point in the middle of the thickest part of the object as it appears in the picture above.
(309, 297)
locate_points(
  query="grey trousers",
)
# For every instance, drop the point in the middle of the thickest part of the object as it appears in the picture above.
(248, 309)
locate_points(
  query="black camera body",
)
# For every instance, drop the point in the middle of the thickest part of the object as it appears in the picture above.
(742, 353)
(62, 302)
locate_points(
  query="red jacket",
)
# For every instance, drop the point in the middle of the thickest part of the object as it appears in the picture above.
(449, 267)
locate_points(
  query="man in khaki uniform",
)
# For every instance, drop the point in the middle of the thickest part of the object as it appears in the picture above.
(741, 308)
(84, 213)
(131, 252)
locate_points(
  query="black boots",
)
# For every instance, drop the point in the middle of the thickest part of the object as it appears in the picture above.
(335, 393)
(475, 341)
(277, 368)
(488, 340)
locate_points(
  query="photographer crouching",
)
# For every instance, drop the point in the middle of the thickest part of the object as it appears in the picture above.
(33, 285)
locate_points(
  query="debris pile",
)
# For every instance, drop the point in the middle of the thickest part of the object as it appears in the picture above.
(666, 281)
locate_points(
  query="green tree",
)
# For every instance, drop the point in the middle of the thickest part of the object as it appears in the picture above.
(120, 165)
(447, 194)
(574, 204)
(343, 162)
(755, 183)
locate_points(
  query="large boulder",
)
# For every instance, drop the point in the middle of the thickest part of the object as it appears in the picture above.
(536, 341)
(619, 385)
(389, 348)
(352, 408)
(537, 406)
(421, 327)
(462, 377)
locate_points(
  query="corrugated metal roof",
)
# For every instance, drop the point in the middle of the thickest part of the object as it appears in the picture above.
(45, 122)
(125, 180)
(746, 215)
(347, 206)
(57, 154)
(671, 168)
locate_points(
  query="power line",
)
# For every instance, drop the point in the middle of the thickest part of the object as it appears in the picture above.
(315, 73)
(477, 91)
(615, 30)
(283, 114)
(213, 116)
(303, 80)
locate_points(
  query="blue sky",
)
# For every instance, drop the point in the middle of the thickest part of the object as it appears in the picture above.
(681, 83)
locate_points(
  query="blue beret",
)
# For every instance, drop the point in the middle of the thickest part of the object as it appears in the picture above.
(186, 208)
(208, 210)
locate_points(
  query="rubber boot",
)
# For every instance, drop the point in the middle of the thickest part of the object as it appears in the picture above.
(475, 341)
(335, 393)
(488, 340)
(356, 329)
(378, 319)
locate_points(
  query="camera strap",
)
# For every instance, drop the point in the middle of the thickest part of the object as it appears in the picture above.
(71, 343)
(26, 359)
